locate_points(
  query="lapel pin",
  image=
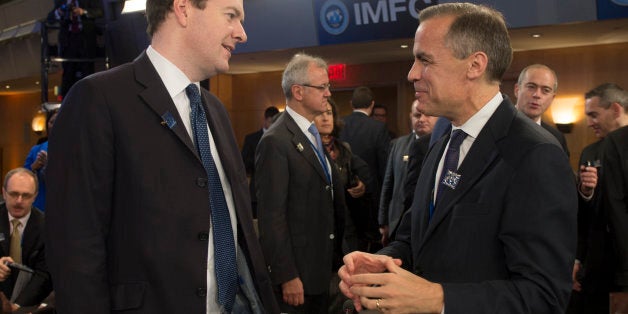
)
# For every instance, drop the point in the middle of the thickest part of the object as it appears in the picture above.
(168, 119)
(406, 158)
(299, 147)
(451, 179)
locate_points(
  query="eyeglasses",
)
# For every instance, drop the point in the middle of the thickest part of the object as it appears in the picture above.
(16, 195)
(321, 87)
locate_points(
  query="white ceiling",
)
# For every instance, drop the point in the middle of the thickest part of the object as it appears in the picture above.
(555, 36)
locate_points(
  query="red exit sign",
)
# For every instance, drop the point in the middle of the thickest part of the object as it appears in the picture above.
(337, 71)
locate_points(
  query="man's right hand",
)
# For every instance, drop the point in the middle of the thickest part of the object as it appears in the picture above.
(292, 291)
(5, 271)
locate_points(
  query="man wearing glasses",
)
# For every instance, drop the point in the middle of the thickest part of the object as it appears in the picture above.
(21, 227)
(300, 198)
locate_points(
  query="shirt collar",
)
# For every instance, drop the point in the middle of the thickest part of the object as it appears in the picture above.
(474, 125)
(174, 79)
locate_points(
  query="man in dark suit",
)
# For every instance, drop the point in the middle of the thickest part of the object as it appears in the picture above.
(77, 37)
(535, 90)
(129, 221)
(594, 272)
(248, 152)
(494, 233)
(369, 139)
(300, 205)
(22, 240)
(404, 151)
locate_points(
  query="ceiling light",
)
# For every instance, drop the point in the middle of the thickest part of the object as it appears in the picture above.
(404, 46)
(37, 83)
(536, 35)
(8, 86)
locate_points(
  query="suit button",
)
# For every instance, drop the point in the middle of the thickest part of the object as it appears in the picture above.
(331, 236)
(203, 236)
(201, 292)
(201, 182)
(328, 187)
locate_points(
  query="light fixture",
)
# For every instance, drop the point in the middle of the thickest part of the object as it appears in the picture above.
(536, 35)
(404, 46)
(563, 113)
(7, 86)
(39, 122)
(134, 6)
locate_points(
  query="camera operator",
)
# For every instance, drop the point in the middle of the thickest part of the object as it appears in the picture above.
(77, 37)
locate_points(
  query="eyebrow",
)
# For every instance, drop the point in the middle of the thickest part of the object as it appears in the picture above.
(237, 11)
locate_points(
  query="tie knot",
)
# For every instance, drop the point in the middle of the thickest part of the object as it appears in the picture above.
(312, 129)
(193, 93)
(16, 223)
(457, 136)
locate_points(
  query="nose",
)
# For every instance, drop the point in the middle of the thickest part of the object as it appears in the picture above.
(415, 72)
(240, 33)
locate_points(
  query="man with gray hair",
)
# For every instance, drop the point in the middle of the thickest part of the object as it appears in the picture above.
(535, 90)
(300, 207)
(491, 229)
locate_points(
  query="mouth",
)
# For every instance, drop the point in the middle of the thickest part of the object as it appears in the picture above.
(229, 49)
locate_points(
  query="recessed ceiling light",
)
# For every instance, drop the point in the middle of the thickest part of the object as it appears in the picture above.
(37, 83)
(404, 46)
(536, 35)
(8, 86)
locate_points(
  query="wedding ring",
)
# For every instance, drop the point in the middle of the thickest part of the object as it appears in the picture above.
(377, 304)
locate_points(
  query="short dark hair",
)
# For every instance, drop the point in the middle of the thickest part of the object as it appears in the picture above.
(270, 112)
(362, 97)
(338, 124)
(156, 11)
(475, 28)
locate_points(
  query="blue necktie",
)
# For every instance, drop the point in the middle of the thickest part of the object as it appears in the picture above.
(449, 178)
(319, 150)
(224, 246)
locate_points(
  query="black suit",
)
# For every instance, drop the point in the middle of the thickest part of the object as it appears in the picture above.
(33, 256)
(301, 219)
(128, 209)
(615, 196)
(248, 156)
(504, 240)
(418, 150)
(558, 135)
(81, 44)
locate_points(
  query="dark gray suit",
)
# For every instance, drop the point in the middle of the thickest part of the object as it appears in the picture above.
(300, 223)
(128, 209)
(33, 256)
(558, 135)
(391, 204)
(504, 240)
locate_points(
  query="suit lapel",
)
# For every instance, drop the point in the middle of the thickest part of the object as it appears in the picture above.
(157, 98)
(479, 159)
(303, 145)
(29, 238)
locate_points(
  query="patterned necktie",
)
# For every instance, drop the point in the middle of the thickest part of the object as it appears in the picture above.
(224, 246)
(16, 242)
(319, 149)
(448, 177)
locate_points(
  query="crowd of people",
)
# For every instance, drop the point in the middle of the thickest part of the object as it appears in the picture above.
(152, 208)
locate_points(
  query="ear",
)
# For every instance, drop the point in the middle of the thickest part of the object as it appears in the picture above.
(180, 9)
(618, 110)
(297, 92)
(516, 89)
(478, 61)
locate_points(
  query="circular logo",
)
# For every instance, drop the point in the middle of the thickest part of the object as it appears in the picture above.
(621, 2)
(334, 17)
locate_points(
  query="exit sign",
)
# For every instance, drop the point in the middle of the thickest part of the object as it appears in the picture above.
(337, 71)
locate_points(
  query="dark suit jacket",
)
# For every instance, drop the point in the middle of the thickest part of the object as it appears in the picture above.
(615, 195)
(417, 153)
(128, 213)
(248, 156)
(89, 28)
(391, 201)
(504, 240)
(558, 135)
(33, 256)
(369, 140)
(300, 223)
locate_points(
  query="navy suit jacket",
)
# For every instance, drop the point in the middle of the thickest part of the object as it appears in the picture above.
(128, 210)
(503, 241)
(301, 215)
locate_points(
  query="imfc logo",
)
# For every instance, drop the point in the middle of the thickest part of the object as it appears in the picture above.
(334, 17)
